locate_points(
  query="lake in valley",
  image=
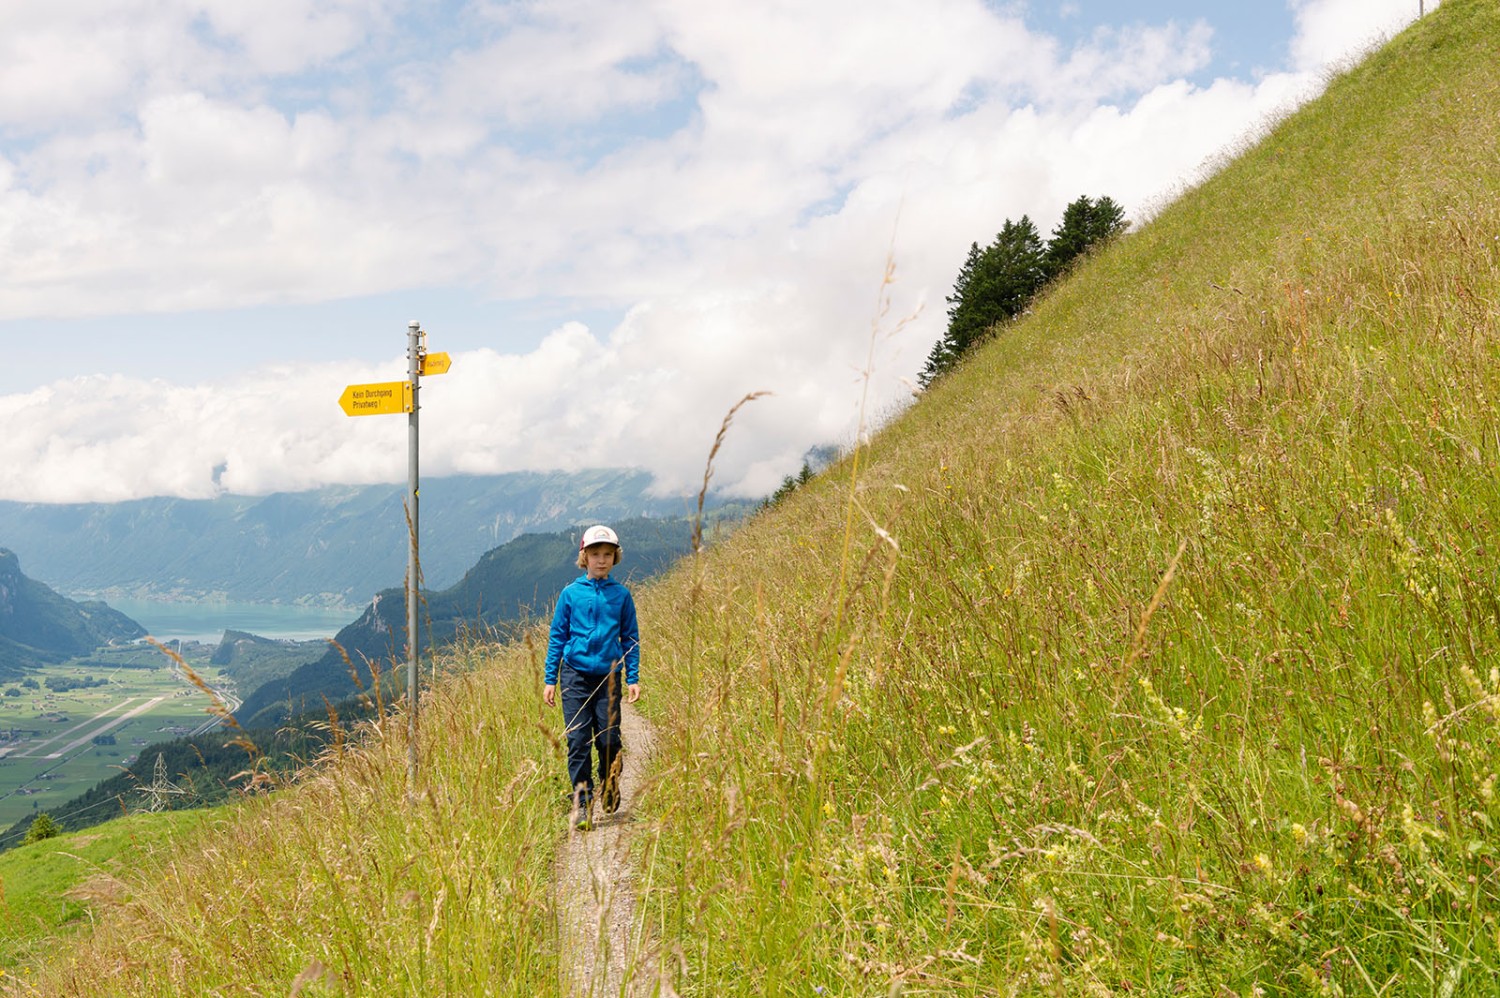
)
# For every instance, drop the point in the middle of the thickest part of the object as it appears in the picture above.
(207, 622)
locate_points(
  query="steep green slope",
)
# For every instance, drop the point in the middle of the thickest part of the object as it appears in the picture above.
(1152, 651)
(38, 626)
(43, 886)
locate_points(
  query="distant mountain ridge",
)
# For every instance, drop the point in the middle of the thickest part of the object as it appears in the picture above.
(333, 546)
(38, 626)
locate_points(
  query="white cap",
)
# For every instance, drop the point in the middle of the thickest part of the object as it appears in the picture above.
(598, 534)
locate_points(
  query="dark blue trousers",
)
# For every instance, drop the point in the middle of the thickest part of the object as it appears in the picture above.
(591, 717)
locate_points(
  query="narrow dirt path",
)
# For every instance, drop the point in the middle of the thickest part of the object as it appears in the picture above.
(601, 947)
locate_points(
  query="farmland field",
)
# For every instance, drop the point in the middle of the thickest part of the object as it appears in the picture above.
(56, 743)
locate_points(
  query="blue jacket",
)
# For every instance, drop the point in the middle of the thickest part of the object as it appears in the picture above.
(594, 629)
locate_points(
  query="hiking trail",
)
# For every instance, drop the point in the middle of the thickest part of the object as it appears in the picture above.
(600, 936)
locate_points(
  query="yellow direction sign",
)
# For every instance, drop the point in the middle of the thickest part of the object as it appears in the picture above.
(436, 363)
(378, 399)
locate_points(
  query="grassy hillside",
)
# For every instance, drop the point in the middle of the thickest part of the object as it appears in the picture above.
(1153, 651)
(44, 886)
(1149, 653)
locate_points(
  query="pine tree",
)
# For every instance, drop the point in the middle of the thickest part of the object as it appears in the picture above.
(995, 284)
(789, 484)
(998, 282)
(1085, 224)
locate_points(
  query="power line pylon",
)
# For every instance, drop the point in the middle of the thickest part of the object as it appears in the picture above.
(159, 792)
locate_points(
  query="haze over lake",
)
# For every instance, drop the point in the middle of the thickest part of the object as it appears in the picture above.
(207, 622)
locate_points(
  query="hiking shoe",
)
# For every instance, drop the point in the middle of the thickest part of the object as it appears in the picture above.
(610, 798)
(583, 812)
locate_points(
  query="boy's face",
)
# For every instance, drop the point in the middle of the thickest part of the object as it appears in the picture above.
(599, 559)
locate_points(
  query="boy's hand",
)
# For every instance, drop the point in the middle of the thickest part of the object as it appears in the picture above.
(549, 694)
(632, 692)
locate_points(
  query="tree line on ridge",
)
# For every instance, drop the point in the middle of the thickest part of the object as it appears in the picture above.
(998, 281)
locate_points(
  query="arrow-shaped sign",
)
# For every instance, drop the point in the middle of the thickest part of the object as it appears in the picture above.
(376, 400)
(435, 363)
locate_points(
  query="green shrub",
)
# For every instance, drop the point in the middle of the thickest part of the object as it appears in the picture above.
(43, 828)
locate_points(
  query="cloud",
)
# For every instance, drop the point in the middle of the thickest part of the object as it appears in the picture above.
(730, 178)
(93, 61)
(286, 36)
(548, 64)
(214, 196)
(1130, 60)
(1331, 32)
(110, 438)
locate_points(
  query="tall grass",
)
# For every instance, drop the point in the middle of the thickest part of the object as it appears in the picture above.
(347, 885)
(38, 905)
(1180, 681)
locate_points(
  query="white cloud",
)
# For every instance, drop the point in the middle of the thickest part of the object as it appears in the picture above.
(1131, 60)
(743, 235)
(285, 36)
(554, 63)
(1330, 32)
(50, 72)
(111, 438)
(95, 60)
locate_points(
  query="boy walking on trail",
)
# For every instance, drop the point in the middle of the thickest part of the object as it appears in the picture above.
(594, 644)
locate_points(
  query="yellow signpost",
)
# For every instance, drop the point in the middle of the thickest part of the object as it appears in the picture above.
(380, 399)
(385, 398)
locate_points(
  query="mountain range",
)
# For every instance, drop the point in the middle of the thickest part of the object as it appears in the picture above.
(330, 547)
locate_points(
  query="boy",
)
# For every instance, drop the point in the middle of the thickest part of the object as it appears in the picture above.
(594, 639)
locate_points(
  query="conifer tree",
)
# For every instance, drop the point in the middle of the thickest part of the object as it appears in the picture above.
(995, 284)
(1085, 224)
(789, 484)
(998, 282)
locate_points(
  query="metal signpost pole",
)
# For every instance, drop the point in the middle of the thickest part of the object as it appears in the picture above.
(414, 370)
(384, 398)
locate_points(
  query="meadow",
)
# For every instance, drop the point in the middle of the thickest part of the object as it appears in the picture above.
(41, 910)
(348, 882)
(42, 766)
(1152, 651)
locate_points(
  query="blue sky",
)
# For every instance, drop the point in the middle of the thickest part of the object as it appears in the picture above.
(214, 215)
(1250, 37)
